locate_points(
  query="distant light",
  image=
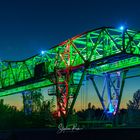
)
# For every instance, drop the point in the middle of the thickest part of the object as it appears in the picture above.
(42, 52)
(122, 28)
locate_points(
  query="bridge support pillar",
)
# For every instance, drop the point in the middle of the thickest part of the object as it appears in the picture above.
(66, 92)
(67, 87)
(113, 88)
(27, 102)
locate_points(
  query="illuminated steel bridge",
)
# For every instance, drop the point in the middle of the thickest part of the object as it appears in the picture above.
(104, 52)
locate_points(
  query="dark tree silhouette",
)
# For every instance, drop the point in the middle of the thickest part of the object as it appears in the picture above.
(87, 114)
(37, 99)
(89, 105)
(135, 103)
(133, 107)
(41, 116)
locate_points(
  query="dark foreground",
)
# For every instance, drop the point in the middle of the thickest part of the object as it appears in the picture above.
(95, 134)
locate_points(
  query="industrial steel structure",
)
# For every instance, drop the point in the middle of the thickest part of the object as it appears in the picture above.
(106, 52)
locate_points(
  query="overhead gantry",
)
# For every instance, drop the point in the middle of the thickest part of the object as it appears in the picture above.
(106, 52)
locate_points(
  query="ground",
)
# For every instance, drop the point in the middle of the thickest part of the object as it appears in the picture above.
(95, 134)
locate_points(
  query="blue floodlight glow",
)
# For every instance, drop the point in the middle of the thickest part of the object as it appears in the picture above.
(42, 52)
(122, 28)
(111, 108)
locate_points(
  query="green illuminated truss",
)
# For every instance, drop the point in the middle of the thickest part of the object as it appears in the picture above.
(100, 52)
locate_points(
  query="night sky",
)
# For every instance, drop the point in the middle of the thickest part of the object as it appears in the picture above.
(29, 26)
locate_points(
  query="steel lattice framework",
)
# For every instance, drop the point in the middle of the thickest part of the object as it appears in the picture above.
(105, 51)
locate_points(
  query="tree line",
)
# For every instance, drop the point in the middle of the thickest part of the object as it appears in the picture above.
(43, 113)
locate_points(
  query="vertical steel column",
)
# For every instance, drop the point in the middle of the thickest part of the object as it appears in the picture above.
(121, 89)
(27, 102)
(115, 85)
(57, 93)
(62, 82)
(75, 97)
(114, 91)
(108, 87)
